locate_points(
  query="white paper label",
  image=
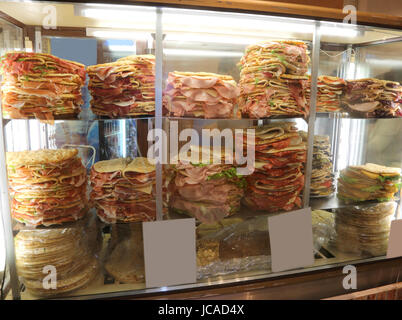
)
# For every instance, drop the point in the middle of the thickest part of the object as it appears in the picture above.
(291, 239)
(169, 252)
(395, 240)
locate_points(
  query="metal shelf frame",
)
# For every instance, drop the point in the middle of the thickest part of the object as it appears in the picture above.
(159, 36)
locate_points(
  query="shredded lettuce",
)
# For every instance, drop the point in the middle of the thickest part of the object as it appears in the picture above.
(393, 178)
(348, 179)
(383, 199)
(199, 164)
(280, 57)
(230, 174)
(372, 188)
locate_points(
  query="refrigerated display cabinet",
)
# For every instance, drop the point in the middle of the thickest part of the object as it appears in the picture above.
(209, 41)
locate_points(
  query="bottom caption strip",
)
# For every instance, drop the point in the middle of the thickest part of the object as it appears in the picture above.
(201, 310)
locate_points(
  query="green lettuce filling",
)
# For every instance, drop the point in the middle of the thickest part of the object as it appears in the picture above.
(393, 178)
(372, 188)
(199, 164)
(230, 174)
(348, 179)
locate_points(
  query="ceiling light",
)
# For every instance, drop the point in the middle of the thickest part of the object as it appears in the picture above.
(210, 38)
(202, 53)
(118, 34)
(115, 12)
(339, 30)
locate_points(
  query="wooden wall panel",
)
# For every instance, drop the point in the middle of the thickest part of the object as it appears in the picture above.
(336, 4)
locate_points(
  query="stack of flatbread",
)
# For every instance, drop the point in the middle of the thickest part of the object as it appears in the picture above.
(47, 186)
(322, 178)
(65, 252)
(278, 179)
(368, 182)
(125, 87)
(273, 80)
(373, 98)
(364, 229)
(41, 85)
(329, 93)
(122, 190)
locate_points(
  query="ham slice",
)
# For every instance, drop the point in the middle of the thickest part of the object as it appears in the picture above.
(364, 107)
(200, 95)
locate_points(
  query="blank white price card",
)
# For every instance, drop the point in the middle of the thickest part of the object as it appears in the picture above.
(291, 239)
(169, 252)
(395, 240)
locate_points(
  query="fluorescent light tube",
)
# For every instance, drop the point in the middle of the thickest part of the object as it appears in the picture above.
(202, 53)
(340, 30)
(210, 38)
(118, 33)
(121, 48)
(107, 12)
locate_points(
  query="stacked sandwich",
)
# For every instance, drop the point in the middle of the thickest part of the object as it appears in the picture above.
(122, 190)
(47, 186)
(278, 178)
(322, 178)
(373, 98)
(208, 191)
(273, 80)
(67, 250)
(200, 95)
(123, 88)
(364, 229)
(41, 85)
(329, 92)
(368, 182)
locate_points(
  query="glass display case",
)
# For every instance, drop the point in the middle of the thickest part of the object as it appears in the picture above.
(322, 98)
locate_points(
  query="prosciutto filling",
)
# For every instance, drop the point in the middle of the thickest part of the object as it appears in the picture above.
(122, 88)
(208, 192)
(373, 98)
(47, 193)
(329, 93)
(273, 80)
(278, 178)
(41, 86)
(121, 193)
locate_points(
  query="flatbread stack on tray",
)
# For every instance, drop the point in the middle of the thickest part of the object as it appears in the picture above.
(329, 93)
(125, 87)
(200, 95)
(278, 178)
(368, 182)
(66, 249)
(124, 260)
(364, 229)
(41, 85)
(47, 186)
(322, 178)
(206, 190)
(273, 80)
(122, 190)
(373, 98)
